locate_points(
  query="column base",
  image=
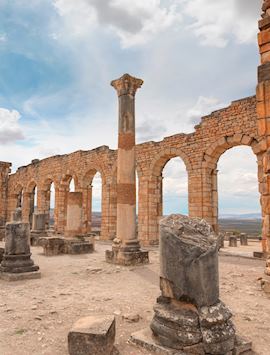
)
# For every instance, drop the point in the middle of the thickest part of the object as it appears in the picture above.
(127, 258)
(145, 339)
(8, 276)
(18, 264)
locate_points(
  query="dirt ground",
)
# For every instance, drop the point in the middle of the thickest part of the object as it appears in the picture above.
(36, 315)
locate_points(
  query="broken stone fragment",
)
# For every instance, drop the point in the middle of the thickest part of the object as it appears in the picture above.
(189, 260)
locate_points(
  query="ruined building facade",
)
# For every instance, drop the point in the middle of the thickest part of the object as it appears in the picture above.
(244, 122)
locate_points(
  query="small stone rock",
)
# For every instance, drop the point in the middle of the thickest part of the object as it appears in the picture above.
(132, 318)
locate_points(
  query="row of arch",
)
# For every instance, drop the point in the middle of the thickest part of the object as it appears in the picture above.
(202, 190)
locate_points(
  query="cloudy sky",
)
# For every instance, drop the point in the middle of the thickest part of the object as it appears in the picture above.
(59, 56)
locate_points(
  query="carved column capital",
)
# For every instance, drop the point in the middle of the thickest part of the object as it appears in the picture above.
(127, 85)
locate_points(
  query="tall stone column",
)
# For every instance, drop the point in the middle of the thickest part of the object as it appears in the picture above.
(263, 113)
(126, 247)
(4, 173)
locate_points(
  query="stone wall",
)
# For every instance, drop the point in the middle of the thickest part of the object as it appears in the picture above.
(200, 151)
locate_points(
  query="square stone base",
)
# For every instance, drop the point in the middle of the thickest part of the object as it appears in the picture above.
(59, 245)
(92, 335)
(145, 339)
(8, 276)
(119, 257)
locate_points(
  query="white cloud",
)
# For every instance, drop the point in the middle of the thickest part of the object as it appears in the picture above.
(216, 21)
(3, 37)
(134, 22)
(10, 129)
(203, 106)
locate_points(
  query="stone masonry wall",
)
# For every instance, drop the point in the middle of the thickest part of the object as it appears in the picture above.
(200, 151)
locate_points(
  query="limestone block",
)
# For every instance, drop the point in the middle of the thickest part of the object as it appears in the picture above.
(17, 238)
(39, 221)
(243, 239)
(189, 260)
(93, 335)
(232, 241)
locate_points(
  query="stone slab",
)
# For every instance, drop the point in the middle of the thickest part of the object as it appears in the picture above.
(80, 248)
(7, 276)
(145, 339)
(140, 257)
(92, 335)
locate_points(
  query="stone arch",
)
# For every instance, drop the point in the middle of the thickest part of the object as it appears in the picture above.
(213, 153)
(150, 194)
(166, 154)
(29, 196)
(209, 170)
(106, 200)
(67, 177)
(44, 197)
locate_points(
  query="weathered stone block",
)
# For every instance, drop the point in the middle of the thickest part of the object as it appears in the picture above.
(192, 242)
(17, 239)
(79, 247)
(52, 245)
(119, 257)
(232, 241)
(39, 221)
(93, 335)
(243, 239)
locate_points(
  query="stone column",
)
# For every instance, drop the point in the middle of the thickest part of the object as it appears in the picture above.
(74, 214)
(17, 263)
(263, 113)
(126, 247)
(4, 172)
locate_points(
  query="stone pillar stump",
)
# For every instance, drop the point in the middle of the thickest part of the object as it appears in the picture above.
(17, 263)
(189, 317)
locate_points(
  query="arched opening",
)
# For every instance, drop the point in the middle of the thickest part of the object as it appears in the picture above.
(238, 199)
(96, 210)
(175, 187)
(32, 202)
(72, 185)
(176, 174)
(51, 218)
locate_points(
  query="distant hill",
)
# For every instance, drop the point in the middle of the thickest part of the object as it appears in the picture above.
(241, 216)
(249, 223)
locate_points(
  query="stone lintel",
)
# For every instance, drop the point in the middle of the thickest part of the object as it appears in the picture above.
(7, 276)
(127, 85)
(123, 258)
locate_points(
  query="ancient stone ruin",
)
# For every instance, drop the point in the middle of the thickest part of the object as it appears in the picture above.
(17, 263)
(126, 246)
(189, 315)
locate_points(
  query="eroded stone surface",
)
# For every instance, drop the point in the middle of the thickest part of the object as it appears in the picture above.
(189, 316)
(92, 335)
(189, 260)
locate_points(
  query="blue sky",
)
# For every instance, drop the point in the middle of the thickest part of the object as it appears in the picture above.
(59, 56)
